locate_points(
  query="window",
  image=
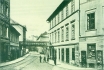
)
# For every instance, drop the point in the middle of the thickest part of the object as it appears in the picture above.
(90, 21)
(62, 14)
(52, 22)
(55, 20)
(67, 11)
(62, 34)
(58, 35)
(0, 29)
(67, 32)
(73, 30)
(58, 18)
(55, 36)
(52, 37)
(6, 10)
(73, 53)
(50, 25)
(2, 8)
(4, 30)
(91, 51)
(72, 6)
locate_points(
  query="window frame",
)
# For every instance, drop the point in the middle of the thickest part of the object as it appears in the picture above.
(90, 25)
(67, 31)
(72, 30)
(90, 49)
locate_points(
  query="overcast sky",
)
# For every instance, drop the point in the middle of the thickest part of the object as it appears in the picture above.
(33, 14)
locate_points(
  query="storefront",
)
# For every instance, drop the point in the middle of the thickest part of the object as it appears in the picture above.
(91, 52)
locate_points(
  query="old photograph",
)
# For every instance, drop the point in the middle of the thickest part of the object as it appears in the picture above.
(51, 34)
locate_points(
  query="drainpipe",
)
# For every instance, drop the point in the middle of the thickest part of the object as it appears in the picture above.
(79, 18)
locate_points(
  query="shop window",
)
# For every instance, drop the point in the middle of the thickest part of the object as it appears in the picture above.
(62, 54)
(73, 53)
(90, 21)
(59, 54)
(91, 51)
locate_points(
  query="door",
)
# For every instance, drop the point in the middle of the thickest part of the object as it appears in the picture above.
(83, 58)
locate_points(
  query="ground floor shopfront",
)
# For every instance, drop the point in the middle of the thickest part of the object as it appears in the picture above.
(4, 50)
(65, 53)
(91, 51)
(87, 53)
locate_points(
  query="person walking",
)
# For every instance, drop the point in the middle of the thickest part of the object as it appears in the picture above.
(40, 58)
(55, 60)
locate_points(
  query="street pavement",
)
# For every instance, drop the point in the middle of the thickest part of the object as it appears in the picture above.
(31, 61)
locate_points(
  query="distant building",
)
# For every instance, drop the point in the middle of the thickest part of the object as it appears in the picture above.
(22, 38)
(14, 43)
(43, 37)
(32, 38)
(4, 29)
(44, 41)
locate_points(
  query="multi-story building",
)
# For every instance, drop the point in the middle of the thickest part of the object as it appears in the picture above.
(4, 29)
(92, 32)
(22, 38)
(14, 43)
(64, 32)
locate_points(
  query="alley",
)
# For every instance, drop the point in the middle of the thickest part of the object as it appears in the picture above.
(31, 63)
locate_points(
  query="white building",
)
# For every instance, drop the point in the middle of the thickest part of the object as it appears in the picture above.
(64, 32)
(91, 32)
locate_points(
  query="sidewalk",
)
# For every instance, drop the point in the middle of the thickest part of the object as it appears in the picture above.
(68, 67)
(14, 61)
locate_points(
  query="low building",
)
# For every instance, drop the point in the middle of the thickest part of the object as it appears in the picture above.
(14, 43)
(22, 38)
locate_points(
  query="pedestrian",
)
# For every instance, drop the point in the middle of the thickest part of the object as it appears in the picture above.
(48, 58)
(40, 58)
(55, 60)
(44, 59)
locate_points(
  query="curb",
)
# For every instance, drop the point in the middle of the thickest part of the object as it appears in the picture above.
(14, 61)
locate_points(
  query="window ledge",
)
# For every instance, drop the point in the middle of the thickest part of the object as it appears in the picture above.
(90, 30)
(67, 40)
(73, 39)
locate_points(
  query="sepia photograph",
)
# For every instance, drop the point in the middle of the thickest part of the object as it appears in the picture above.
(51, 34)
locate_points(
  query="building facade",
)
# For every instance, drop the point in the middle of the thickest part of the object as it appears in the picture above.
(64, 32)
(14, 43)
(22, 38)
(4, 29)
(92, 33)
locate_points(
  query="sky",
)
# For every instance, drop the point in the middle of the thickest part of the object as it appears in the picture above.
(33, 14)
